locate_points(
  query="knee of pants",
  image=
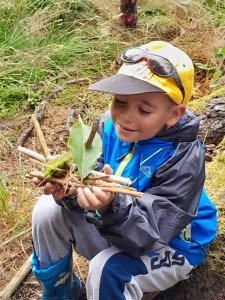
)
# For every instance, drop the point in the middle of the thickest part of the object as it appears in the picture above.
(104, 262)
(46, 212)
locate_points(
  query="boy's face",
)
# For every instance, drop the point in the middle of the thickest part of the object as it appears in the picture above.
(142, 116)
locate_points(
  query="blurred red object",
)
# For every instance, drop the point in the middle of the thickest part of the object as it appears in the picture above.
(129, 10)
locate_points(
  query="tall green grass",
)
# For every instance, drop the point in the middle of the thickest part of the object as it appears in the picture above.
(42, 40)
(46, 36)
(16, 198)
(4, 195)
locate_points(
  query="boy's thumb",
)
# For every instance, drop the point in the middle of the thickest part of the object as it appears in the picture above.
(107, 170)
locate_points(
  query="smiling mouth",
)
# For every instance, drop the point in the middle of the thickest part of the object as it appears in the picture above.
(126, 128)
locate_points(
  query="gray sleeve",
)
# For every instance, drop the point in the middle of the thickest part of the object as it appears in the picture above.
(102, 121)
(143, 225)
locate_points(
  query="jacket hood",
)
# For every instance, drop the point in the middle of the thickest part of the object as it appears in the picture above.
(186, 129)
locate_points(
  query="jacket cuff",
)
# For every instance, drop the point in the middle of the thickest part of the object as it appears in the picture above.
(69, 202)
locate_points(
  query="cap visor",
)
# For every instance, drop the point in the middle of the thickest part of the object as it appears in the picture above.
(120, 84)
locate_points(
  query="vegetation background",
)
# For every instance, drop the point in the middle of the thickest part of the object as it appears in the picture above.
(45, 43)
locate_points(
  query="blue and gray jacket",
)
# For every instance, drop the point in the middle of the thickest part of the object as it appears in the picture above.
(174, 210)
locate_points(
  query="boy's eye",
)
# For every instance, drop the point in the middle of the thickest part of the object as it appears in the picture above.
(120, 102)
(145, 112)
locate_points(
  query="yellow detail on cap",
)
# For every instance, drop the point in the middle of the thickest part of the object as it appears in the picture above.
(178, 58)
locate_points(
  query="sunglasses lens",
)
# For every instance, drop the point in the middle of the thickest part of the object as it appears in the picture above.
(158, 64)
(132, 55)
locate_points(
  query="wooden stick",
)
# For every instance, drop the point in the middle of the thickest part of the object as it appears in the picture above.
(91, 135)
(32, 154)
(121, 190)
(110, 188)
(14, 237)
(40, 136)
(16, 280)
(37, 156)
(97, 176)
(112, 178)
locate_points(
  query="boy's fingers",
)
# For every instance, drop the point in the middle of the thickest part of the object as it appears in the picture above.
(87, 199)
(57, 190)
(51, 188)
(107, 169)
(82, 199)
(71, 191)
(101, 195)
(38, 182)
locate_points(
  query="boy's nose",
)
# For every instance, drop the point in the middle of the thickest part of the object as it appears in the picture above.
(129, 115)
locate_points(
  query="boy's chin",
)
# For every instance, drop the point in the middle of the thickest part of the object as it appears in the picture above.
(126, 139)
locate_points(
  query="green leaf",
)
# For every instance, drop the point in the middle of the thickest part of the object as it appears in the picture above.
(203, 66)
(219, 52)
(85, 159)
(215, 79)
(216, 75)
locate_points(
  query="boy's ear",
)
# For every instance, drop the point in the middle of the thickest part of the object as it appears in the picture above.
(176, 112)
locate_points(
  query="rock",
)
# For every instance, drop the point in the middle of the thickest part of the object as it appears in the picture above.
(212, 122)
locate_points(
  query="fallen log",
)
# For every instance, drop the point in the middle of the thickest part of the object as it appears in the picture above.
(10, 288)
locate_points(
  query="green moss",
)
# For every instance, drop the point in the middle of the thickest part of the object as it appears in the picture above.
(221, 157)
(198, 105)
(215, 187)
(221, 145)
(58, 166)
(215, 180)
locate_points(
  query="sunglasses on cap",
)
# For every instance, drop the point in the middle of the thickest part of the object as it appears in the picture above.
(157, 64)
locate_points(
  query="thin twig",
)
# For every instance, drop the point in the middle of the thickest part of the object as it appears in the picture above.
(112, 178)
(15, 237)
(40, 136)
(32, 154)
(71, 114)
(90, 183)
(107, 177)
(205, 137)
(35, 155)
(91, 135)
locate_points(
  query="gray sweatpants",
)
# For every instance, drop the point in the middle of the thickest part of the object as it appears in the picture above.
(112, 273)
(55, 229)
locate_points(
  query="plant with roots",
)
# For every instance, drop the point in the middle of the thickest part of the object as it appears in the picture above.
(76, 167)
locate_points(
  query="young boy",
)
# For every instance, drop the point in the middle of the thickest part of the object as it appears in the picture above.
(135, 245)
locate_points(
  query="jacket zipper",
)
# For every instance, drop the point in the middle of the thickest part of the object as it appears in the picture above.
(125, 159)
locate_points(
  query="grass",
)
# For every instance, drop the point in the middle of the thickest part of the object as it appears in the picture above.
(41, 41)
(4, 195)
(14, 191)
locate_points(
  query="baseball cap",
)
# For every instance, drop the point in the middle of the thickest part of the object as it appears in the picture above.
(141, 76)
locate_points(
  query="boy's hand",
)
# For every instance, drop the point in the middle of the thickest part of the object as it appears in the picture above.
(57, 190)
(95, 198)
